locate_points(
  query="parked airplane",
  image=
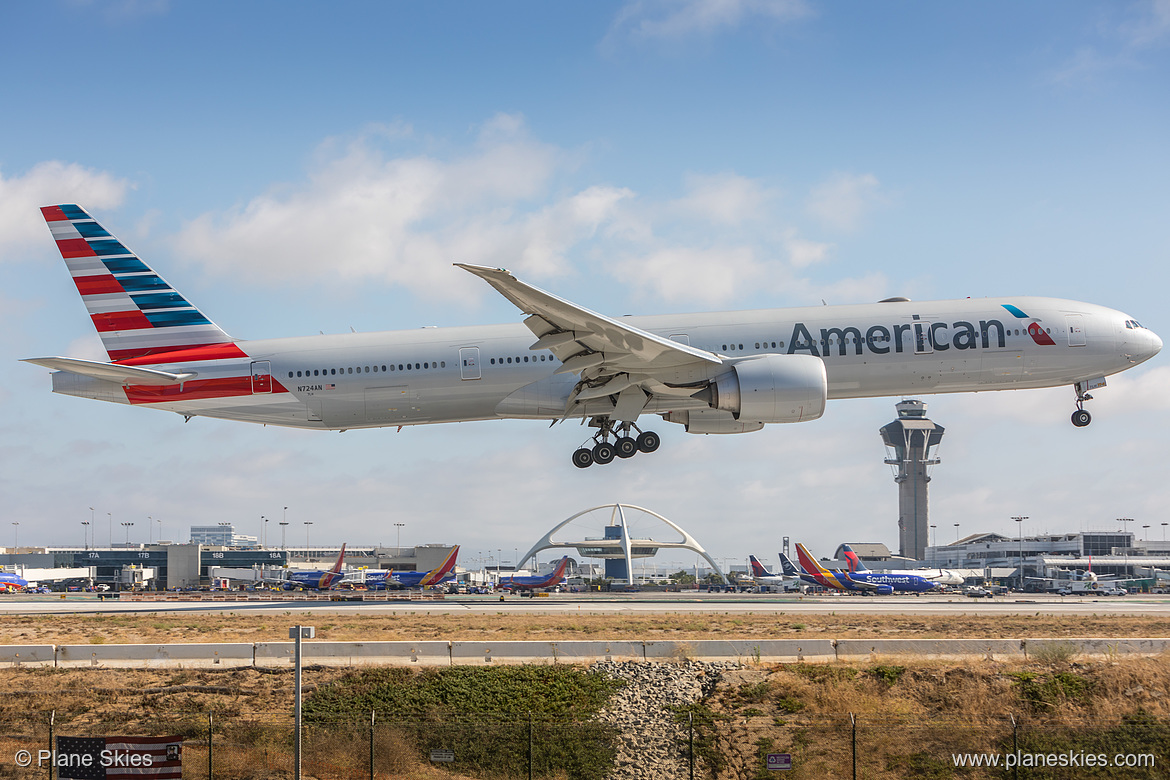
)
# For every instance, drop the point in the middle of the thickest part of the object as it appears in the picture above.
(721, 372)
(536, 582)
(1087, 581)
(10, 583)
(396, 580)
(836, 580)
(939, 576)
(313, 580)
(761, 576)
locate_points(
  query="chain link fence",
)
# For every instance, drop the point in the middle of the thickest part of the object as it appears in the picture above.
(688, 745)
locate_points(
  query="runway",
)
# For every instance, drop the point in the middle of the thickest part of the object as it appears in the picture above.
(617, 604)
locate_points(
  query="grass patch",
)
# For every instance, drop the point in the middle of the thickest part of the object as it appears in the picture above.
(483, 715)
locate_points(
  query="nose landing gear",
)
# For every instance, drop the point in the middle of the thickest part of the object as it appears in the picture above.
(1081, 417)
(624, 445)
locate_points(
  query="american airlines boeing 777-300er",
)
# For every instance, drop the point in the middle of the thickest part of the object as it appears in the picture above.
(713, 372)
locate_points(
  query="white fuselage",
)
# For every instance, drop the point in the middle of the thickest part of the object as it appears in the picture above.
(435, 375)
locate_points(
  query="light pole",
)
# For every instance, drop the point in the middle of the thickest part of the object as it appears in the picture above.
(1146, 533)
(93, 528)
(1125, 565)
(933, 536)
(283, 546)
(159, 521)
(1020, 533)
(499, 560)
(398, 540)
(1164, 533)
(15, 537)
(264, 531)
(127, 527)
(85, 533)
(307, 524)
(956, 533)
(149, 528)
(110, 518)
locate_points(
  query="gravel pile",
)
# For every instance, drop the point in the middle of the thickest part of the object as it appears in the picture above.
(652, 744)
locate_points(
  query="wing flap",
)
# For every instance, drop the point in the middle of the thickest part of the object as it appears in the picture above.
(112, 372)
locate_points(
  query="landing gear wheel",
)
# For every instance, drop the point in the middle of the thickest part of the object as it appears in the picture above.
(648, 441)
(626, 446)
(603, 452)
(1081, 418)
(582, 458)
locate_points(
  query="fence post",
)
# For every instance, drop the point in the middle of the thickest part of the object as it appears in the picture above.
(691, 741)
(373, 713)
(530, 745)
(210, 775)
(1015, 745)
(52, 754)
(853, 722)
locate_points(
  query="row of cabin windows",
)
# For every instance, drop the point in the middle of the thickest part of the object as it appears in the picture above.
(525, 359)
(371, 369)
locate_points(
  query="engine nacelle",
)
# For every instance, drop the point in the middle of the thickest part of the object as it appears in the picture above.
(711, 421)
(773, 389)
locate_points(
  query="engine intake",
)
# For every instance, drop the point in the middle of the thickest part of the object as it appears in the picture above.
(773, 389)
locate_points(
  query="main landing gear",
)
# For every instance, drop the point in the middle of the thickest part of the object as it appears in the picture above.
(624, 445)
(1080, 417)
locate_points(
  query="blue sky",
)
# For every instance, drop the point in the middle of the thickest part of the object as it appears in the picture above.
(296, 167)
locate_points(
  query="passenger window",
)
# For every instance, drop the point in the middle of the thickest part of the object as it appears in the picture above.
(290, 375)
(375, 369)
(443, 364)
(399, 366)
(298, 373)
(383, 369)
(509, 360)
(426, 365)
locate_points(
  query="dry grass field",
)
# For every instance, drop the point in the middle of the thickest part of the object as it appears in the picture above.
(250, 627)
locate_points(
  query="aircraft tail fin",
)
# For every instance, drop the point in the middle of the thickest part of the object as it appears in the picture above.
(855, 563)
(340, 561)
(788, 567)
(137, 314)
(437, 574)
(559, 574)
(758, 569)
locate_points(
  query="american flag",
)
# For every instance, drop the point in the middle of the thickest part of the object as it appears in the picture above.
(113, 758)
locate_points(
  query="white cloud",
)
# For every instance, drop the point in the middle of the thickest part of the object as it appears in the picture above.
(672, 19)
(47, 183)
(802, 252)
(1122, 45)
(725, 199)
(363, 215)
(844, 200)
(711, 277)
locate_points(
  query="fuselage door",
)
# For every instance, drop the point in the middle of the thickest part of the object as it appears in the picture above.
(469, 363)
(1076, 330)
(261, 376)
(923, 338)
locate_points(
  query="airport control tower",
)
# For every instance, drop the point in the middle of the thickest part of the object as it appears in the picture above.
(911, 447)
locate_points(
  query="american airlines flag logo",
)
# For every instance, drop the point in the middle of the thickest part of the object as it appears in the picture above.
(119, 758)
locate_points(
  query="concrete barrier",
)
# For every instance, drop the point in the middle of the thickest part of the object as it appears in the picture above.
(480, 653)
(589, 651)
(202, 654)
(861, 649)
(14, 656)
(1093, 646)
(354, 653)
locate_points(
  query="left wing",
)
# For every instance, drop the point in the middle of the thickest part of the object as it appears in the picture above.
(611, 357)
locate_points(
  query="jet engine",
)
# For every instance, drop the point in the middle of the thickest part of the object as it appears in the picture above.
(771, 389)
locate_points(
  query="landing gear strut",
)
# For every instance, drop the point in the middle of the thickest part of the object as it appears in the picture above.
(1080, 417)
(624, 445)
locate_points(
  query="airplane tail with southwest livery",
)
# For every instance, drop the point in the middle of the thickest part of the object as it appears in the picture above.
(334, 575)
(440, 572)
(819, 573)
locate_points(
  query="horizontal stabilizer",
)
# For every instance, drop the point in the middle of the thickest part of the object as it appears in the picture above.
(111, 372)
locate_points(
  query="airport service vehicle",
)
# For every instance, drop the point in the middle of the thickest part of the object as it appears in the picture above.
(938, 576)
(979, 593)
(396, 580)
(556, 577)
(313, 580)
(712, 373)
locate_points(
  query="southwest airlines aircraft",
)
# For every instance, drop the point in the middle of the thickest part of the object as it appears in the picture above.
(714, 372)
(395, 580)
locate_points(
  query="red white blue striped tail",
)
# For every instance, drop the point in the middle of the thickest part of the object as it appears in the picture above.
(137, 314)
